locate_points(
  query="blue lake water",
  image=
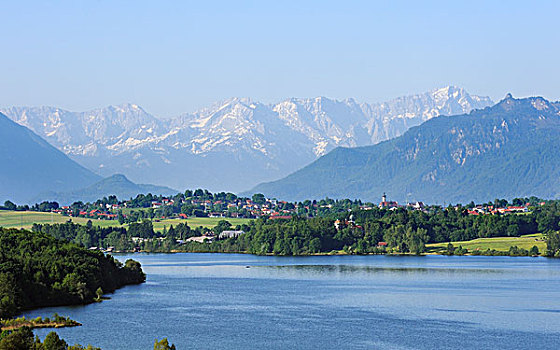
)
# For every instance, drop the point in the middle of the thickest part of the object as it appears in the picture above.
(234, 301)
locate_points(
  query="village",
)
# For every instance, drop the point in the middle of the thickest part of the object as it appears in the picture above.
(183, 208)
(203, 204)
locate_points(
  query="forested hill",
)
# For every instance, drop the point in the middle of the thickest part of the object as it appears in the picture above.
(38, 270)
(505, 151)
(118, 185)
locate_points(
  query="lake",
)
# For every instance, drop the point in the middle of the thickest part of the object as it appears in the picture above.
(235, 301)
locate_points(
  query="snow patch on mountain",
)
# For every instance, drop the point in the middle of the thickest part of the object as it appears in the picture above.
(282, 136)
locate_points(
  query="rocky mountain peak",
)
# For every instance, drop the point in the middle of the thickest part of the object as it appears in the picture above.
(446, 159)
(283, 136)
(528, 104)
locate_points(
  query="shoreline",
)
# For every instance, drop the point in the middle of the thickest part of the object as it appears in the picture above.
(17, 323)
(174, 251)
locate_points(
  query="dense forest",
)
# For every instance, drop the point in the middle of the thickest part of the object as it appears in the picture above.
(405, 232)
(23, 339)
(39, 270)
(120, 237)
(357, 231)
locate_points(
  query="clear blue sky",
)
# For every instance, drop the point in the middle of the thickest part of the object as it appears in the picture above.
(176, 56)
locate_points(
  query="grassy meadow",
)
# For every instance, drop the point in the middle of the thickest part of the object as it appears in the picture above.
(497, 243)
(26, 219)
(196, 222)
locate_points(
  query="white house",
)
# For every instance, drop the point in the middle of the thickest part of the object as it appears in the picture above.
(230, 234)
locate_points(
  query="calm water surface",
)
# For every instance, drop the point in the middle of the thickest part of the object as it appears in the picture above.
(231, 301)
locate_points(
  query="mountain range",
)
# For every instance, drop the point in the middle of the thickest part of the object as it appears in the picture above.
(34, 171)
(235, 144)
(504, 151)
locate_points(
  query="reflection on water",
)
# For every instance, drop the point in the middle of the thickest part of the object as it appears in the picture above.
(232, 301)
(360, 269)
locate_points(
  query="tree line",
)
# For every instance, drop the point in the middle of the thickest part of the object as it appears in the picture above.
(380, 231)
(23, 339)
(359, 231)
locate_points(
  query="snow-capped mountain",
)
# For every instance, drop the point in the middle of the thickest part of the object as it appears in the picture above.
(456, 160)
(234, 144)
(391, 119)
(89, 133)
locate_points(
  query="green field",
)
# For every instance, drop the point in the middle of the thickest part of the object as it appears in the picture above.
(498, 243)
(195, 222)
(26, 219)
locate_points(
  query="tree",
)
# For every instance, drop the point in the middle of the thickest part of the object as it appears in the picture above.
(361, 246)
(163, 345)
(8, 205)
(99, 293)
(223, 225)
(53, 342)
(315, 245)
(74, 285)
(460, 250)
(258, 198)
(8, 294)
(450, 249)
(416, 240)
(145, 229)
(20, 339)
(534, 251)
(552, 243)
(395, 237)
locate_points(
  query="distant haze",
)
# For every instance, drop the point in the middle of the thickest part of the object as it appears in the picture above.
(173, 57)
(234, 144)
